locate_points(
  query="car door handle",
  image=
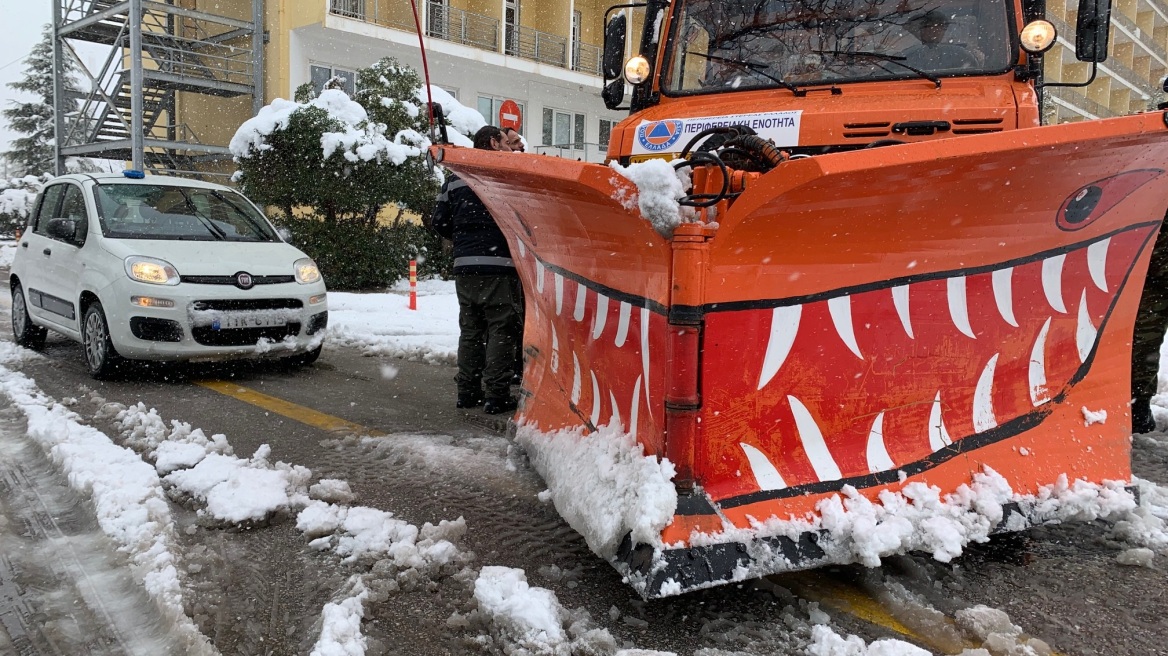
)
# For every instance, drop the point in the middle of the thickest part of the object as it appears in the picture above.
(48, 251)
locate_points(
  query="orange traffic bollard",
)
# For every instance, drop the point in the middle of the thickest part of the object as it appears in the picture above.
(413, 284)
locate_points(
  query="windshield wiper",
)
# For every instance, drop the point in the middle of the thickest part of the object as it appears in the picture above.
(207, 223)
(260, 229)
(895, 59)
(756, 67)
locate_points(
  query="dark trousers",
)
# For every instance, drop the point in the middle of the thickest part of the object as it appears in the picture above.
(489, 314)
(1151, 323)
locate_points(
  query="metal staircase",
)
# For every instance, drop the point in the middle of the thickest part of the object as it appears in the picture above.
(157, 49)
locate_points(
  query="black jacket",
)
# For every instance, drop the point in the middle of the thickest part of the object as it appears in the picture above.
(480, 249)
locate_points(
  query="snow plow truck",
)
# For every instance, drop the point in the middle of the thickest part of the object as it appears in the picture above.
(869, 283)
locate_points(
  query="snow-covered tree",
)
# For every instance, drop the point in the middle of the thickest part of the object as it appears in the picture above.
(16, 200)
(33, 151)
(344, 157)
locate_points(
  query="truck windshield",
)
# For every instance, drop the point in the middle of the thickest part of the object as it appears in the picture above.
(718, 45)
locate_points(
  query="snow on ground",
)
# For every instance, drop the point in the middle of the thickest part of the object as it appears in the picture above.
(7, 251)
(396, 553)
(127, 493)
(383, 324)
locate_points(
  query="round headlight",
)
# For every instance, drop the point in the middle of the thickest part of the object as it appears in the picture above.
(1038, 36)
(306, 271)
(637, 69)
(151, 270)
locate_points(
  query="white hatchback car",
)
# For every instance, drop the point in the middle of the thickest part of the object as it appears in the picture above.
(156, 268)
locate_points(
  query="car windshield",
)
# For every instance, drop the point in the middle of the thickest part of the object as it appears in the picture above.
(750, 44)
(144, 211)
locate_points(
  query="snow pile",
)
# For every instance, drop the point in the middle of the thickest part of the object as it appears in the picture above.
(233, 490)
(127, 494)
(603, 484)
(659, 187)
(996, 633)
(368, 534)
(523, 619)
(331, 490)
(531, 616)
(357, 139)
(340, 631)
(7, 252)
(237, 490)
(825, 642)
(383, 324)
(855, 529)
(1147, 524)
(464, 120)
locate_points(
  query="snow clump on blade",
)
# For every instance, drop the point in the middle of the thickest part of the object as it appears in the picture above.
(603, 484)
(659, 187)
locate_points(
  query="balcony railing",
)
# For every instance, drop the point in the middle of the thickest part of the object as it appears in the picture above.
(460, 26)
(348, 8)
(537, 46)
(586, 59)
(479, 31)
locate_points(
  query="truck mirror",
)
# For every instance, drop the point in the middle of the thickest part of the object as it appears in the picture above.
(613, 93)
(1092, 30)
(615, 34)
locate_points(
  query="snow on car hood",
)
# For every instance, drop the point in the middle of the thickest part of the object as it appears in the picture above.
(203, 258)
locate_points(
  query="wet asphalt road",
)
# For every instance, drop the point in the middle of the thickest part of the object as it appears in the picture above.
(259, 589)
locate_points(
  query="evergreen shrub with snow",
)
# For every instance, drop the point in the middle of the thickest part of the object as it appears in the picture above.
(332, 163)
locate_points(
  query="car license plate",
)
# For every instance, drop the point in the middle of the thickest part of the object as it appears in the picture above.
(247, 321)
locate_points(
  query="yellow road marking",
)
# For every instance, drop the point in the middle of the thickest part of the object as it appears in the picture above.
(856, 601)
(295, 412)
(845, 598)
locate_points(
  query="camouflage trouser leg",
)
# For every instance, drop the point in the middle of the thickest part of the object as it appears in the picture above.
(1151, 323)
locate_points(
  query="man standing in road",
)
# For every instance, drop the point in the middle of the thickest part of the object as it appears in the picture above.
(488, 290)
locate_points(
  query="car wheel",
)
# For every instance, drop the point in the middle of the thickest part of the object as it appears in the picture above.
(27, 333)
(304, 359)
(101, 359)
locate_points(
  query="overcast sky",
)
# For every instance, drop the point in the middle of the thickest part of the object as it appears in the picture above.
(23, 20)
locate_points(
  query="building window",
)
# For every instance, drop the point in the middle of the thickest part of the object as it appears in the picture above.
(605, 132)
(438, 19)
(320, 76)
(576, 20)
(563, 129)
(489, 107)
(511, 22)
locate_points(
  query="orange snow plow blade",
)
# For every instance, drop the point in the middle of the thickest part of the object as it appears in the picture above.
(854, 322)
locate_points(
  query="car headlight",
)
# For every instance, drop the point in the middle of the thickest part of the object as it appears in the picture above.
(306, 271)
(151, 270)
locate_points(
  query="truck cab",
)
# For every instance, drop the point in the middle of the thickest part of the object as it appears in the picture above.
(817, 77)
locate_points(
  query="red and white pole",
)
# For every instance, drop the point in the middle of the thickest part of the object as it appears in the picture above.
(413, 284)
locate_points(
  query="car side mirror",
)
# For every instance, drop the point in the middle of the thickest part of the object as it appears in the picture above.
(1092, 30)
(615, 35)
(63, 229)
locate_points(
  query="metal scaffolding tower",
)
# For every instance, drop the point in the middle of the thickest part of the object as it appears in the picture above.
(157, 50)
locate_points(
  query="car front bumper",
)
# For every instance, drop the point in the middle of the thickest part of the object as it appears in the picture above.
(208, 321)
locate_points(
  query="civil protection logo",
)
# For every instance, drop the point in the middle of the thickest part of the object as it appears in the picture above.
(659, 135)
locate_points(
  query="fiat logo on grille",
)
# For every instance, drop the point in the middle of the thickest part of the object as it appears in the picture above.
(243, 280)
